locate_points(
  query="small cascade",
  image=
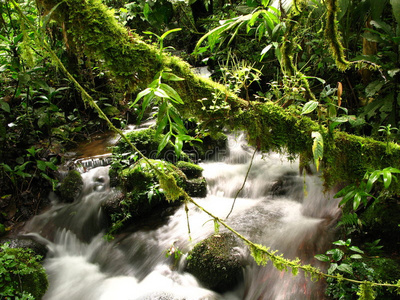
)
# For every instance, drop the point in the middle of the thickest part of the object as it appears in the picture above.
(276, 207)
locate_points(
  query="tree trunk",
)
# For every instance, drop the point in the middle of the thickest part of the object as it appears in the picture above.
(93, 28)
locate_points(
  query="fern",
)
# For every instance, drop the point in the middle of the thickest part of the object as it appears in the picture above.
(350, 219)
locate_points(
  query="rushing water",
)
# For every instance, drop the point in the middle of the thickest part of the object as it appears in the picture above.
(276, 208)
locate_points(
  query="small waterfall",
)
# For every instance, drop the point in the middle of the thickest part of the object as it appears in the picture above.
(277, 208)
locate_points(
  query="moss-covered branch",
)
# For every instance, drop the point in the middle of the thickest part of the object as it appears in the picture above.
(93, 28)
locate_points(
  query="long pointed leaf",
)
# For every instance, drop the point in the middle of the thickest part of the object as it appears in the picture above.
(163, 142)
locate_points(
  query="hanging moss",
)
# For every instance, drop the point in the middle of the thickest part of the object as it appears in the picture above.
(332, 35)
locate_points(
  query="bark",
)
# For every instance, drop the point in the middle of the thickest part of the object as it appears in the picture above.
(93, 28)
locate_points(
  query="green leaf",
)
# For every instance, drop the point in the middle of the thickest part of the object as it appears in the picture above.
(169, 32)
(332, 268)
(160, 92)
(317, 148)
(387, 178)
(347, 197)
(356, 249)
(373, 88)
(310, 106)
(51, 165)
(345, 268)
(171, 77)
(140, 95)
(337, 254)
(5, 106)
(371, 180)
(356, 256)
(41, 165)
(339, 243)
(178, 146)
(180, 127)
(163, 142)
(356, 201)
(161, 125)
(323, 257)
(265, 3)
(171, 93)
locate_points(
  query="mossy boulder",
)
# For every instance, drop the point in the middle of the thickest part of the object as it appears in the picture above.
(21, 273)
(196, 187)
(215, 264)
(191, 170)
(141, 192)
(71, 186)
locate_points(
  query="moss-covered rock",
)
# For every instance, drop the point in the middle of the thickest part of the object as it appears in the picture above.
(71, 186)
(141, 191)
(191, 170)
(196, 187)
(21, 273)
(214, 263)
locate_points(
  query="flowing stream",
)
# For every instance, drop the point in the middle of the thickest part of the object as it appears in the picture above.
(277, 208)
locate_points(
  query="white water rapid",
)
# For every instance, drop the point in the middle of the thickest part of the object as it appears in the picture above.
(276, 208)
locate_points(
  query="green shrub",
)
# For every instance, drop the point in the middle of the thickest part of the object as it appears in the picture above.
(21, 274)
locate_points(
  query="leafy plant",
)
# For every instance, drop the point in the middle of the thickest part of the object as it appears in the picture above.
(21, 274)
(165, 96)
(344, 261)
(360, 193)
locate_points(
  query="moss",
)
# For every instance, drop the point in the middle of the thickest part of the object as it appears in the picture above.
(332, 35)
(214, 264)
(189, 169)
(143, 191)
(25, 273)
(71, 186)
(196, 187)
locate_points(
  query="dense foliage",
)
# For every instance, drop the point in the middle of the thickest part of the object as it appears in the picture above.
(337, 62)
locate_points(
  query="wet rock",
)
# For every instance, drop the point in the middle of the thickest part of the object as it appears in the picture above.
(196, 187)
(70, 187)
(141, 192)
(287, 185)
(215, 263)
(26, 243)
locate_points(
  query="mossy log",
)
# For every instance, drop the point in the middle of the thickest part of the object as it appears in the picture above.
(92, 28)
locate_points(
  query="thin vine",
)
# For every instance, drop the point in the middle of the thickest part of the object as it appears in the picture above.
(260, 253)
(244, 182)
